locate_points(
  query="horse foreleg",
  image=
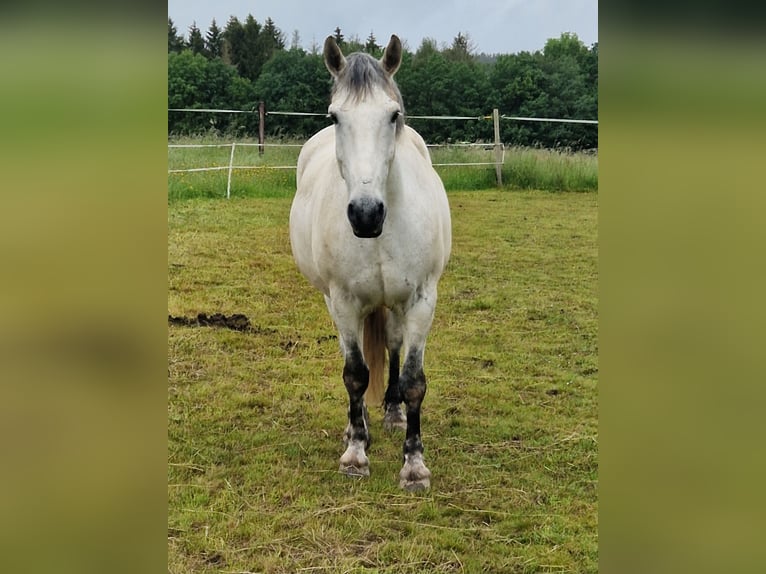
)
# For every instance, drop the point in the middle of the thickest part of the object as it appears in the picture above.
(412, 382)
(356, 376)
(414, 474)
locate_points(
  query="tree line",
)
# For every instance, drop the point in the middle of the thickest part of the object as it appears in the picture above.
(246, 62)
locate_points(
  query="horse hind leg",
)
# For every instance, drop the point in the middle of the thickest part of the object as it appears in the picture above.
(354, 461)
(393, 418)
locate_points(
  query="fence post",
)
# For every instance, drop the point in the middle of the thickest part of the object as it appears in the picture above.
(261, 126)
(498, 148)
(231, 164)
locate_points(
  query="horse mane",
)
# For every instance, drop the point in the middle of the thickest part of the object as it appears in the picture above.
(363, 74)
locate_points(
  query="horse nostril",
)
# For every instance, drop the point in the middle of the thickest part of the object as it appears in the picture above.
(366, 216)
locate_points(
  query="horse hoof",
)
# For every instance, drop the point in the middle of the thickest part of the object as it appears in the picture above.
(354, 461)
(394, 419)
(414, 475)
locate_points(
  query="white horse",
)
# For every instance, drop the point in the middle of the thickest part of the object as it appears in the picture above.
(370, 228)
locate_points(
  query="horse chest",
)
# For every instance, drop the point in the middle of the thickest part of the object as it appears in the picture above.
(378, 273)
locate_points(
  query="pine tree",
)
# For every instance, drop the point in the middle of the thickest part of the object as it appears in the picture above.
(339, 38)
(214, 41)
(371, 45)
(175, 42)
(462, 48)
(233, 42)
(276, 36)
(196, 44)
(295, 41)
(249, 61)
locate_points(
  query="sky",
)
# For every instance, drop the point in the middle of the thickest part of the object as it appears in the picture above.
(493, 26)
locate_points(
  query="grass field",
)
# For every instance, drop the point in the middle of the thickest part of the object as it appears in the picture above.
(523, 168)
(255, 417)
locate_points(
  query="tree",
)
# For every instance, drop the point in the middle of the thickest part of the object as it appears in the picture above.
(314, 48)
(339, 38)
(175, 41)
(196, 44)
(214, 41)
(353, 44)
(270, 40)
(249, 63)
(276, 39)
(295, 40)
(428, 47)
(196, 82)
(433, 84)
(566, 45)
(590, 65)
(572, 88)
(462, 48)
(371, 46)
(294, 81)
(560, 80)
(233, 42)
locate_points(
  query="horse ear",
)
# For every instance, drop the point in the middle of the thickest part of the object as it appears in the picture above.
(333, 57)
(392, 57)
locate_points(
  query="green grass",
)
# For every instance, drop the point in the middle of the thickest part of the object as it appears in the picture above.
(523, 168)
(552, 170)
(255, 419)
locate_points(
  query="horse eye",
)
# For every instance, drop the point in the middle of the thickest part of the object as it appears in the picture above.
(334, 118)
(395, 116)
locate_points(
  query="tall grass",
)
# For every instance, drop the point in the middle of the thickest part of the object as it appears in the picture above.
(550, 170)
(523, 168)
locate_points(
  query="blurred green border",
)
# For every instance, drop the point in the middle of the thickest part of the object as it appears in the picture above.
(681, 241)
(83, 241)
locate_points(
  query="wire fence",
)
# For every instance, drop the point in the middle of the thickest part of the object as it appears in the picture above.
(497, 147)
(487, 117)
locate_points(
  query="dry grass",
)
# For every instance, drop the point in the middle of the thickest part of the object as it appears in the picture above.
(509, 422)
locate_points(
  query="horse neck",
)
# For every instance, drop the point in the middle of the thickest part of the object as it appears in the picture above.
(395, 187)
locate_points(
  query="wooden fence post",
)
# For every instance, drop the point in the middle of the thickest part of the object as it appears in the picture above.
(498, 148)
(261, 126)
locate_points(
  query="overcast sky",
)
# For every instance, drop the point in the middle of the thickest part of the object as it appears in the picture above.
(494, 26)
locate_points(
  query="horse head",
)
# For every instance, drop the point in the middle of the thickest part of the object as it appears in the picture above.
(368, 114)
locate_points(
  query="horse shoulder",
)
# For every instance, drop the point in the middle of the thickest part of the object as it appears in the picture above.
(417, 140)
(437, 201)
(319, 143)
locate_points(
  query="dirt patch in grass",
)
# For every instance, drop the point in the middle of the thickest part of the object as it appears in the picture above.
(235, 322)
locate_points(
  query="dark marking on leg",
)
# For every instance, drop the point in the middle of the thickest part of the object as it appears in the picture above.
(414, 474)
(413, 390)
(356, 377)
(393, 417)
(393, 392)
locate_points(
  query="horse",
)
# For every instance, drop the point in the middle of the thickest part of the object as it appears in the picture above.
(370, 228)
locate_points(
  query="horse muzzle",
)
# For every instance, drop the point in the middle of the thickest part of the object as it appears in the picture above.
(366, 216)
